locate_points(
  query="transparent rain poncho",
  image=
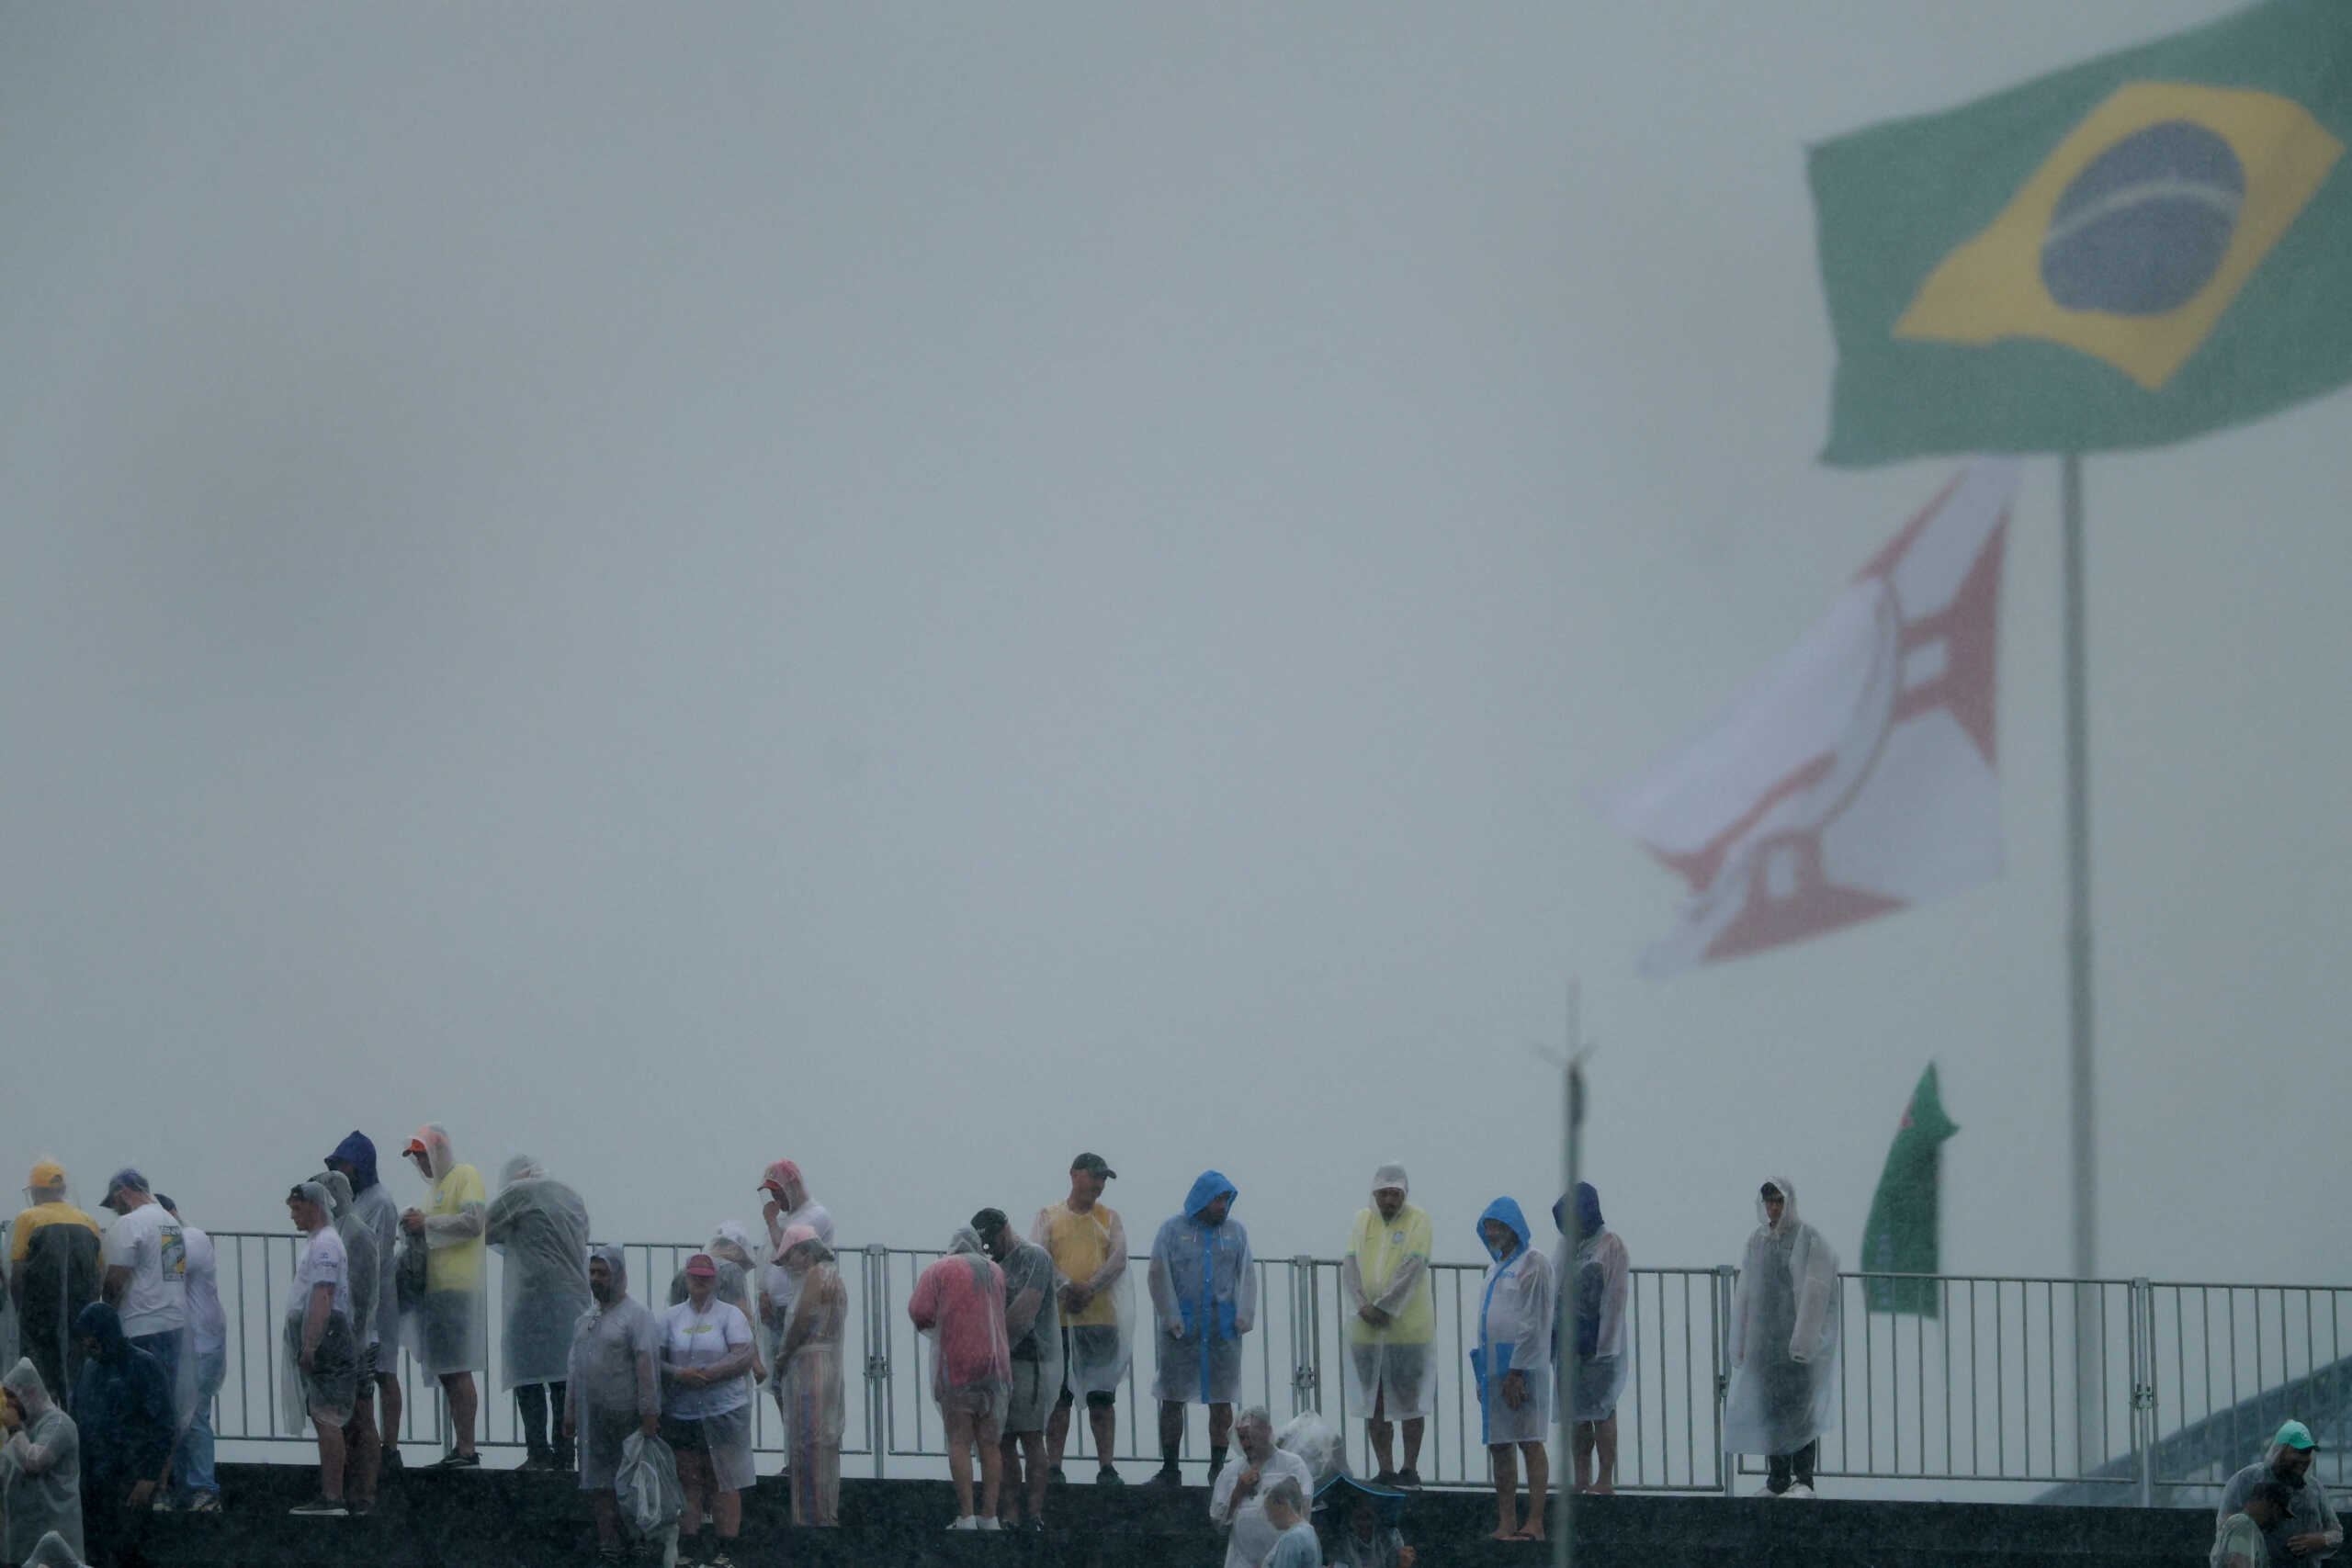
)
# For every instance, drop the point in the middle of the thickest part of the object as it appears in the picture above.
(1593, 1264)
(447, 1330)
(1090, 1254)
(959, 1303)
(613, 1369)
(2309, 1513)
(809, 1390)
(1514, 1334)
(781, 1179)
(1387, 1268)
(53, 1551)
(359, 1253)
(1031, 1314)
(329, 1388)
(41, 1470)
(1783, 1335)
(540, 1229)
(372, 1202)
(1204, 1291)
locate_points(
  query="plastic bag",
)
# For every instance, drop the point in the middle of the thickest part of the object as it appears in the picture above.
(647, 1482)
(1317, 1442)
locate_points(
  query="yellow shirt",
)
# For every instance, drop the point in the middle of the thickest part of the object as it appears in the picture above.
(1080, 1244)
(39, 1215)
(1380, 1249)
(455, 1267)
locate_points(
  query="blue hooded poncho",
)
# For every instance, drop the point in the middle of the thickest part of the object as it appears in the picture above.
(1203, 1280)
(359, 1152)
(1514, 1333)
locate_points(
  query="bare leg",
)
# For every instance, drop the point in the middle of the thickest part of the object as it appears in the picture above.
(727, 1513)
(388, 1397)
(1414, 1426)
(1382, 1432)
(1172, 1430)
(1506, 1466)
(1034, 1445)
(959, 1458)
(1539, 1488)
(1220, 1426)
(365, 1450)
(1105, 1419)
(1605, 1434)
(1057, 1430)
(608, 1518)
(329, 1457)
(984, 1438)
(463, 1404)
(690, 1468)
(1009, 1463)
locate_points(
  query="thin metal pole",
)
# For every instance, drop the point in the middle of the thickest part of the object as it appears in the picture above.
(2090, 1413)
(1563, 1554)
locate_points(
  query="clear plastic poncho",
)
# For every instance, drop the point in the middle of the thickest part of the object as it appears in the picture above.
(1592, 1263)
(1388, 1267)
(1034, 1330)
(1090, 1254)
(447, 1329)
(1514, 1334)
(959, 1303)
(359, 1253)
(540, 1229)
(1317, 1441)
(1205, 1293)
(41, 1470)
(614, 1362)
(1785, 1336)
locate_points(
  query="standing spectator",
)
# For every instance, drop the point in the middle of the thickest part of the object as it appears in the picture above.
(146, 1281)
(446, 1330)
(122, 1412)
(1783, 1343)
(541, 1227)
(2242, 1538)
(1088, 1246)
(1386, 1278)
(958, 1302)
(1204, 1295)
(1513, 1366)
(2309, 1531)
(1035, 1336)
(1594, 1265)
(784, 1203)
(809, 1376)
(706, 1406)
(322, 1366)
(362, 1449)
(41, 1466)
(54, 1271)
(207, 1342)
(1295, 1545)
(1237, 1501)
(612, 1387)
(354, 1160)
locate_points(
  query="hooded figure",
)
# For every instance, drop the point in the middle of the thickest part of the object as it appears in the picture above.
(41, 1470)
(1360, 1524)
(1783, 1341)
(612, 1376)
(447, 1329)
(360, 1254)
(1391, 1316)
(808, 1374)
(540, 1229)
(1514, 1334)
(1594, 1265)
(355, 1159)
(122, 1412)
(53, 1272)
(55, 1552)
(1204, 1295)
(958, 1302)
(2288, 1459)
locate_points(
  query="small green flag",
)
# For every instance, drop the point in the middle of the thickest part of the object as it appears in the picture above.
(1900, 1235)
(2123, 253)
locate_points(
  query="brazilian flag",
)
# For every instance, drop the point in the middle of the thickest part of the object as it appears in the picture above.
(2123, 253)
(1900, 1235)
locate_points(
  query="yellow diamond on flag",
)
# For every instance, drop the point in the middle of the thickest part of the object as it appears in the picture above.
(2137, 232)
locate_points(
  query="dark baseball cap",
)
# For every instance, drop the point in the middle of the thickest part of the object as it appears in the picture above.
(987, 1223)
(1094, 1165)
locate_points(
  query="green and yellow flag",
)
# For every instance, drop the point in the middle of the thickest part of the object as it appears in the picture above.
(1900, 1235)
(2124, 254)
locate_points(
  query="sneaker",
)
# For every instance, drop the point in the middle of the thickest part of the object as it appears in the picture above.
(162, 1503)
(990, 1525)
(204, 1503)
(1168, 1475)
(1409, 1479)
(458, 1462)
(1385, 1478)
(321, 1508)
(969, 1522)
(1036, 1526)
(1056, 1475)
(1108, 1476)
(360, 1510)
(393, 1464)
(1800, 1490)
(719, 1560)
(538, 1461)
(611, 1555)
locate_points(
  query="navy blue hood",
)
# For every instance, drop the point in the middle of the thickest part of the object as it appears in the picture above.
(360, 1153)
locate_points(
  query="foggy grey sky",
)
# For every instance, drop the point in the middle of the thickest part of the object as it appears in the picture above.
(923, 589)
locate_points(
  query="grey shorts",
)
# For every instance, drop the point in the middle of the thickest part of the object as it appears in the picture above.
(330, 1389)
(449, 1330)
(601, 1437)
(1033, 1401)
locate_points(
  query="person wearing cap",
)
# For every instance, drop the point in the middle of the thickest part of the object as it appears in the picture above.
(354, 1160)
(1784, 1317)
(2310, 1531)
(784, 1205)
(1238, 1499)
(362, 1446)
(208, 1344)
(2242, 1538)
(612, 1387)
(707, 1353)
(447, 1329)
(1512, 1365)
(1593, 1267)
(958, 1304)
(41, 1466)
(540, 1229)
(1088, 1246)
(54, 1263)
(321, 1377)
(1032, 1328)
(146, 1279)
(1204, 1295)
(808, 1374)
(1392, 1319)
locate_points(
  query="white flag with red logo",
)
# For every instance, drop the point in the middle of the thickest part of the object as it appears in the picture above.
(1857, 777)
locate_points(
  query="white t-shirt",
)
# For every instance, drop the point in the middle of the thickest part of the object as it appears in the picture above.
(691, 1339)
(322, 1261)
(208, 1326)
(148, 1242)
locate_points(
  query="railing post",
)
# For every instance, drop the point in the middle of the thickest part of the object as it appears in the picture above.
(2144, 1390)
(878, 1353)
(1719, 1355)
(1306, 1372)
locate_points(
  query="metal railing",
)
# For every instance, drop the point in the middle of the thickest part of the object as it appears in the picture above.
(2117, 1390)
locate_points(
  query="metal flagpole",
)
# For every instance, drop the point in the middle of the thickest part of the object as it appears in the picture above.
(1564, 1369)
(2090, 1435)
